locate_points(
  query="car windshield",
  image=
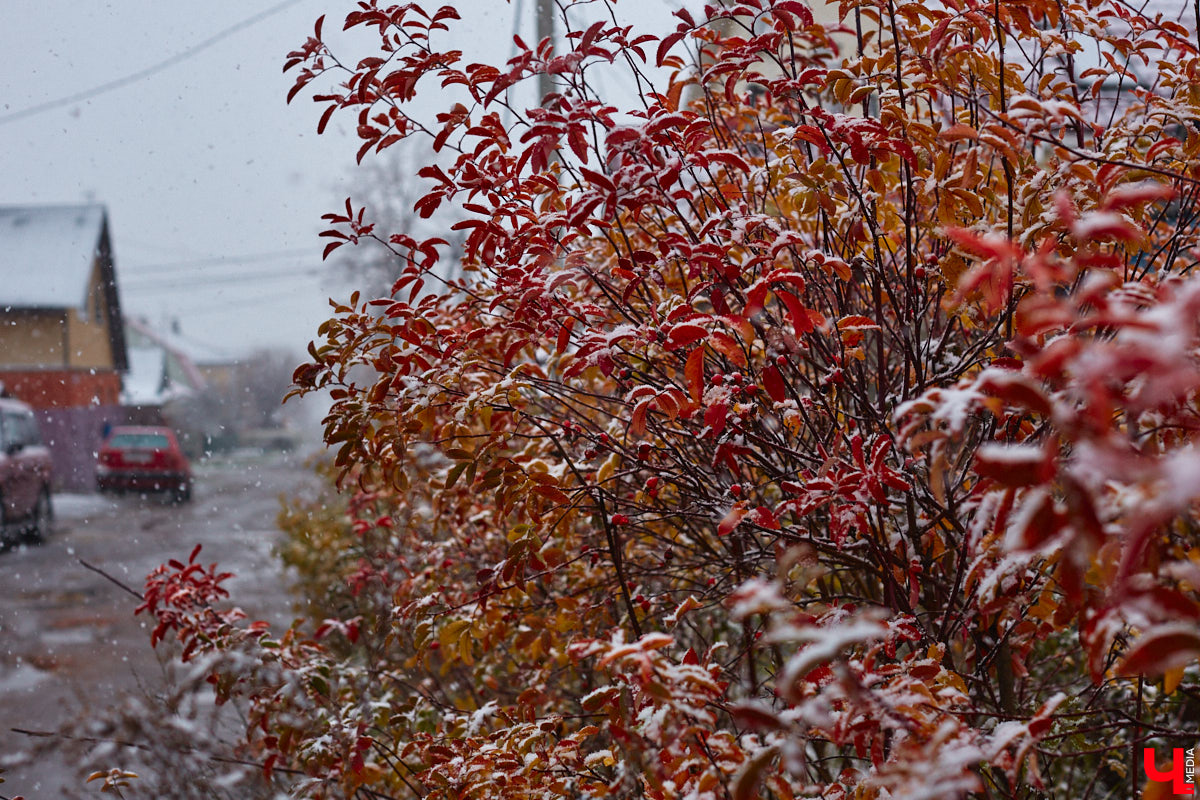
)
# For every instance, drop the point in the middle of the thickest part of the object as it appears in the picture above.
(138, 441)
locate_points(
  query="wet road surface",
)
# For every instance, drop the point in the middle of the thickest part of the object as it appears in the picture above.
(70, 645)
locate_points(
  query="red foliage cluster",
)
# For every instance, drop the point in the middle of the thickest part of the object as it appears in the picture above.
(819, 421)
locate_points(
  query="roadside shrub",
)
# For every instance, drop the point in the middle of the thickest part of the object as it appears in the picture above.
(817, 421)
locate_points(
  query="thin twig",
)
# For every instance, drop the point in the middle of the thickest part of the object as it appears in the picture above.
(241, 762)
(104, 574)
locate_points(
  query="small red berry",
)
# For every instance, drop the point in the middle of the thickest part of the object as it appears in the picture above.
(736, 490)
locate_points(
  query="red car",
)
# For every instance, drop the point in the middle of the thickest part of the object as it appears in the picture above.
(143, 459)
(24, 474)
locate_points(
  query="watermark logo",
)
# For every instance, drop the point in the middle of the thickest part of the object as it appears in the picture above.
(1182, 774)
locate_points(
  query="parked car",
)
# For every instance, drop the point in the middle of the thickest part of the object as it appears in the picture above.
(143, 458)
(25, 474)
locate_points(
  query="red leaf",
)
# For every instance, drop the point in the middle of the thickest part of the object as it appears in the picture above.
(1163, 648)
(803, 321)
(666, 44)
(716, 416)
(325, 118)
(428, 204)
(755, 717)
(764, 518)
(637, 423)
(578, 142)
(799, 9)
(564, 335)
(810, 134)
(1015, 465)
(1014, 389)
(732, 519)
(774, 384)
(856, 322)
(685, 333)
(1136, 193)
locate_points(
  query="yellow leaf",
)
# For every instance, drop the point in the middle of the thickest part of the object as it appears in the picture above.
(608, 468)
(450, 634)
(1172, 679)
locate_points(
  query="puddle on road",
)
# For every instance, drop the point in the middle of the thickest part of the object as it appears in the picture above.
(84, 633)
(21, 678)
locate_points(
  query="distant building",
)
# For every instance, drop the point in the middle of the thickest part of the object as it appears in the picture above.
(177, 381)
(160, 369)
(62, 344)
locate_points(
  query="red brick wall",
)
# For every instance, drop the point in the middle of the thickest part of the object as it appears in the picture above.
(56, 388)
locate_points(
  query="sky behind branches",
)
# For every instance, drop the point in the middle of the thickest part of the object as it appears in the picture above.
(174, 116)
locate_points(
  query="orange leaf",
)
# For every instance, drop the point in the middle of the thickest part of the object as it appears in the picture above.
(957, 132)
(728, 347)
(637, 423)
(693, 373)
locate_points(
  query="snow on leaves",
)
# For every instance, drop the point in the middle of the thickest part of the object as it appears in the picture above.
(818, 423)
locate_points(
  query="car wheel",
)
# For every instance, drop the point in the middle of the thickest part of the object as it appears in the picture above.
(43, 515)
(184, 493)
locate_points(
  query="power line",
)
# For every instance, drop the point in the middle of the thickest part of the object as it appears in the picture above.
(206, 281)
(212, 261)
(257, 300)
(134, 77)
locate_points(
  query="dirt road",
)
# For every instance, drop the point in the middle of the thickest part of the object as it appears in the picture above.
(69, 643)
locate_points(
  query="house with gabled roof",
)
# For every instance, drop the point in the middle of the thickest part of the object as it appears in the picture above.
(161, 369)
(62, 342)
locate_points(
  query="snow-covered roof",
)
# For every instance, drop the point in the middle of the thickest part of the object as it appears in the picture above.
(47, 254)
(144, 382)
(188, 352)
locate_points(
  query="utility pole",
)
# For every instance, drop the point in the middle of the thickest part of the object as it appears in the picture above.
(544, 14)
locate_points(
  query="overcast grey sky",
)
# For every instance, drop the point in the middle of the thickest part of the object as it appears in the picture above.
(215, 187)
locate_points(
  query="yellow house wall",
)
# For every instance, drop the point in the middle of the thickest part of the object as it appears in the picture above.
(88, 341)
(32, 338)
(71, 338)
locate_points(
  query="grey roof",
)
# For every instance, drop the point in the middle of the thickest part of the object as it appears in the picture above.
(47, 254)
